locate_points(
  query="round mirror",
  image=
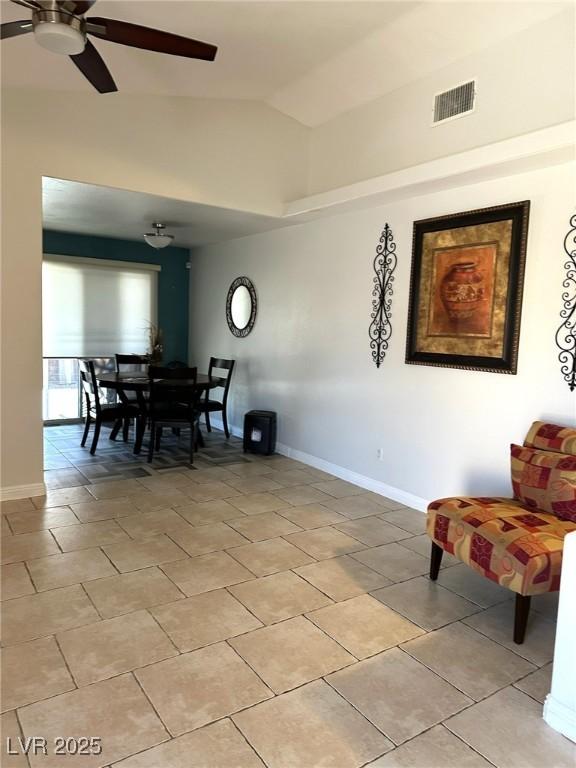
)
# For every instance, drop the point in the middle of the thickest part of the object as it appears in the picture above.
(241, 306)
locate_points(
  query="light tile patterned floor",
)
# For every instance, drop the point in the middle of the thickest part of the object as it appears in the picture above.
(253, 611)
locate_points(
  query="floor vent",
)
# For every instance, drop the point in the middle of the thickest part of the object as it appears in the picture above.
(456, 102)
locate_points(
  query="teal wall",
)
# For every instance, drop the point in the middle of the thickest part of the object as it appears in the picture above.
(173, 279)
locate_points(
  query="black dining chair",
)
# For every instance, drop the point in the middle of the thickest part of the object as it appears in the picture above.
(172, 402)
(207, 405)
(129, 363)
(132, 363)
(103, 413)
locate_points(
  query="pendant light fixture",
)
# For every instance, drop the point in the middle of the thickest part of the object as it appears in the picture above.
(158, 239)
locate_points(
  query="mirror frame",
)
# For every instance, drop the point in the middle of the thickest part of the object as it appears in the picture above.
(237, 283)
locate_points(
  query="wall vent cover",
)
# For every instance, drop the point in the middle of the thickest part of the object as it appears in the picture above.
(454, 103)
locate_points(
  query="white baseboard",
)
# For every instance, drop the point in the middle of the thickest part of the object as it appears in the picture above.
(22, 491)
(560, 717)
(217, 423)
(402, 497)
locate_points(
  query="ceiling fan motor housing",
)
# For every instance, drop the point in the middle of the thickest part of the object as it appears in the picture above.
(59, 32)
(59, 26)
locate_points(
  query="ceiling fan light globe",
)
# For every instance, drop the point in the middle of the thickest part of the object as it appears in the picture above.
(59, 38)
(157, 240)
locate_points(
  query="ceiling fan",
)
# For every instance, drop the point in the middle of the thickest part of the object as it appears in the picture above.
(61, 27)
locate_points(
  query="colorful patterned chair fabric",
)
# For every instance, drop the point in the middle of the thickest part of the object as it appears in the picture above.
(499, 538)
(514, 545)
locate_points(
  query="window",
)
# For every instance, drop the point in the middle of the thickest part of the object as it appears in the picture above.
(91, 308)
(95, 308)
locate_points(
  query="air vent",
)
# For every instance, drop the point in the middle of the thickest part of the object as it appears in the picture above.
(454, 103)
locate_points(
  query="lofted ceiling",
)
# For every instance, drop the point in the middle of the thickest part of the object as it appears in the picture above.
(311, 59)
(263, 46)
(87, 209)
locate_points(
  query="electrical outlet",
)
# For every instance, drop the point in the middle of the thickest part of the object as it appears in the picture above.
(380, 454)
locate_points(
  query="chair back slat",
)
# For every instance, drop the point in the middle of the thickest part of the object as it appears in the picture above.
(221, 364)
(89, 385)
(128, 363)
(172, 391)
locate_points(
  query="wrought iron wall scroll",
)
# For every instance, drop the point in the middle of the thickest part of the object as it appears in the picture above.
(380, 329)
(566, 333)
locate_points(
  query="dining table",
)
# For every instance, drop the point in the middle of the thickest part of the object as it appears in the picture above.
(139, 383)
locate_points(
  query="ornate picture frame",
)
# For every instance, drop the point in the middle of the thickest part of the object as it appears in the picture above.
(466, 289)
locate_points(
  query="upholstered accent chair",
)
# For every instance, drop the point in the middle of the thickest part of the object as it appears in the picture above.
(516, 542)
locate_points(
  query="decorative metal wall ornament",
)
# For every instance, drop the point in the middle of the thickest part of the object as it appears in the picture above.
(566, 333)
(380, 329)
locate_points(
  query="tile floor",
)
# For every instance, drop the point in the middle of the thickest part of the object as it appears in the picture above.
(253, 611)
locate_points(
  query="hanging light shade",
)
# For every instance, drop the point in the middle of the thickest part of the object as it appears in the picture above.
(158, 239)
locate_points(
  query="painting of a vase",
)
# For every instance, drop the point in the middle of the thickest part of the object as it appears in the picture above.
(462, 290)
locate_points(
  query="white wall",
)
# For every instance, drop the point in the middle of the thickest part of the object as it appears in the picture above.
(525, 83)
(443, 431)
(234, 154)
(560, 703)
(231, 154)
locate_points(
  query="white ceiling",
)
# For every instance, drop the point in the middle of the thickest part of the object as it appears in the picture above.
(86, 209)
(263, 46)
(429, 36)
(311, 59)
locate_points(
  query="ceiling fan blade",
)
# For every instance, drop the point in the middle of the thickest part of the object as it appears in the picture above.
(77, 7)
(92, 66)
(15, 28)
(149, 39)
(32, 5)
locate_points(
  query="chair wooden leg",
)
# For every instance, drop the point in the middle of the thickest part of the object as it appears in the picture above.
(151, 442)
(125, 429)
(158, 437)
(86, 430)
(193, 440)
(521, 611)
(225, 423)
(140, 429)
(207, 420)
(97, 426)
(115, 429)
(435, 561)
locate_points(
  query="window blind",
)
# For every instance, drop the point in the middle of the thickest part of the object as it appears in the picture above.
(95, 308)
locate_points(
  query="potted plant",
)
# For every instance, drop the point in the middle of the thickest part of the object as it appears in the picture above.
(155, 344)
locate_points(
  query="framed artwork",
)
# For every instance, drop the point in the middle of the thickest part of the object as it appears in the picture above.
(466, 289)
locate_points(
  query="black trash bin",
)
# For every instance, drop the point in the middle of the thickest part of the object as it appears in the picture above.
(260, 432)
